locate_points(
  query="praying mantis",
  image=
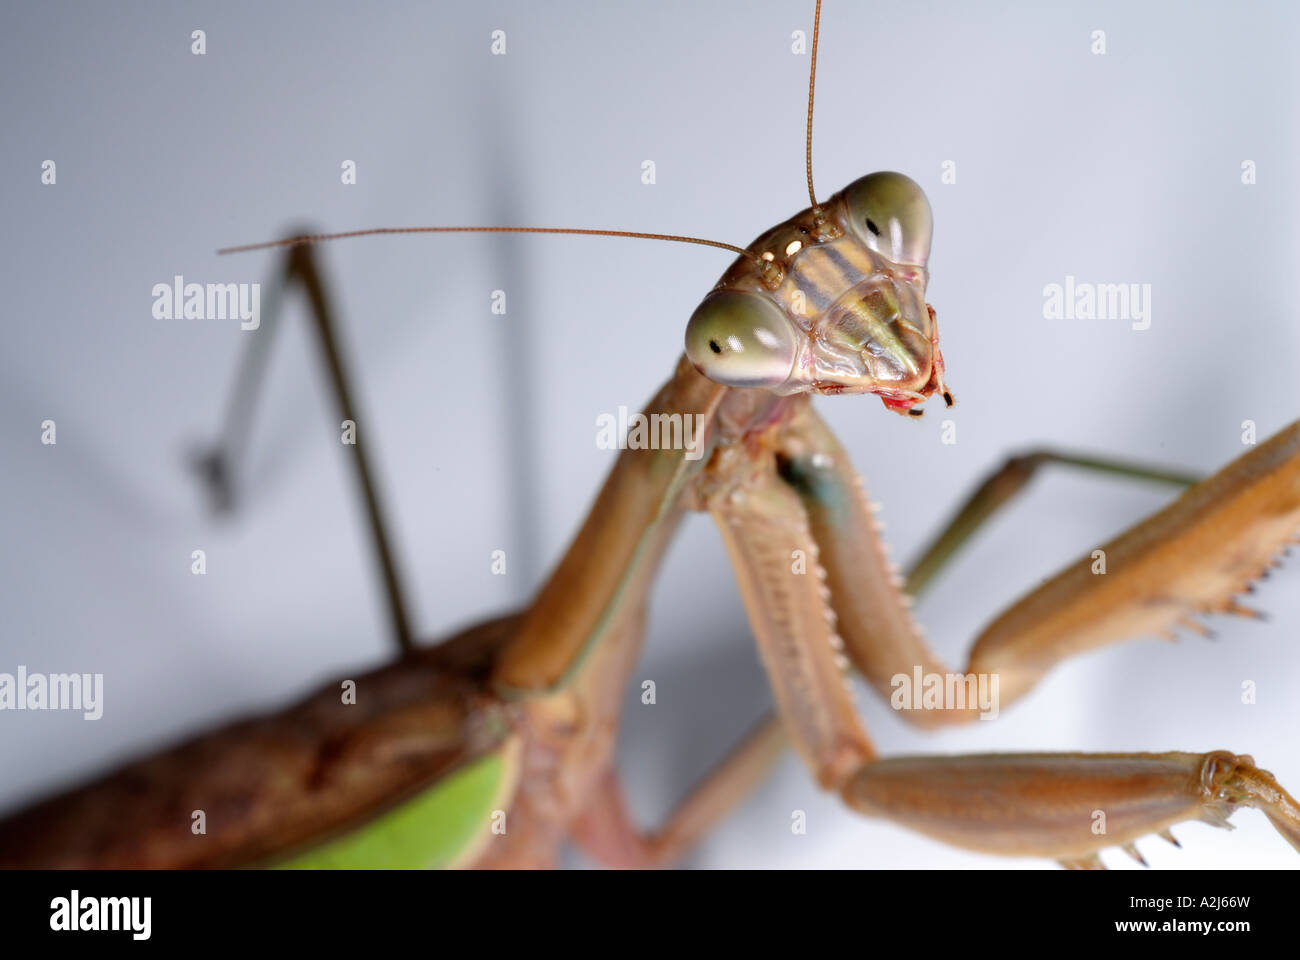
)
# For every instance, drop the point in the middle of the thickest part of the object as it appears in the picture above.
(559, 665)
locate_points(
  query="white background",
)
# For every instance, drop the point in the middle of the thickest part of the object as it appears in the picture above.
(1117, 168)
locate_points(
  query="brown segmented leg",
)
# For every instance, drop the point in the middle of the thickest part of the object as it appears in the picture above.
(569, 734)
(873, 614)
(1002, 485)
(1066, 806)
(219, 466)
(1194, 556)
(781, 582)
(607, 832)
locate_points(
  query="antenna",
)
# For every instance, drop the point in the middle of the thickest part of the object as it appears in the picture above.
(321, 237)
(812, 86)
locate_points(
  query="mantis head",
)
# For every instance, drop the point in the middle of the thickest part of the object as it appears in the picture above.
(831, 301)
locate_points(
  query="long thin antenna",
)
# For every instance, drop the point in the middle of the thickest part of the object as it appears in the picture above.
(812, 86)
(320, 237)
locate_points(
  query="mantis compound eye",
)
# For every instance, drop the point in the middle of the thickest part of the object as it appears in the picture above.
(741, 340)
(890, 214)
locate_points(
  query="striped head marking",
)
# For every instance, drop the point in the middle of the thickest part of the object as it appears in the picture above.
(833, 301)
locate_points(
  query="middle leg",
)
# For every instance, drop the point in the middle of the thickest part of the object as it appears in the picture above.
(1193, 557)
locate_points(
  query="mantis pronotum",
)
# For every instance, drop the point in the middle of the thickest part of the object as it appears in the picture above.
(847, 400)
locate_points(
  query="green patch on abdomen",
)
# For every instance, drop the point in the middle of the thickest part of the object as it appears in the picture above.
(432, 830)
